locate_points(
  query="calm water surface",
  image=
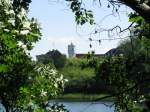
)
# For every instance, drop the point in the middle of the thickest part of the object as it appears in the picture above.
(88, 106)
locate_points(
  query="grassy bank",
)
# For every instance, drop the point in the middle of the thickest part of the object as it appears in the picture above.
(82, 97)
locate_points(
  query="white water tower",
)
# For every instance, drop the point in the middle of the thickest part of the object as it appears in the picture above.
(71, 50)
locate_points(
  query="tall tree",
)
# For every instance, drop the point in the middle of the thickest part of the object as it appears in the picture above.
(24, 85)
(17, 34)
(54, 57)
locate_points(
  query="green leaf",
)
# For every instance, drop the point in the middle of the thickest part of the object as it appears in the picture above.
(3, 68)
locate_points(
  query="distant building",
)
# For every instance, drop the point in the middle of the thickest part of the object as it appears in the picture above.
(113, 52)
(83, 55)
(71, 50)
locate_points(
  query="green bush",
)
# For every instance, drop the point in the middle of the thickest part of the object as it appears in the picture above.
(79, 80)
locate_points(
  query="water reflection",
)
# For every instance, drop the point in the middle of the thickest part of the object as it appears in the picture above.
(88, 106)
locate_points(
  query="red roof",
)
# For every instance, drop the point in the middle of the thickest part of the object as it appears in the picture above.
(83, 55)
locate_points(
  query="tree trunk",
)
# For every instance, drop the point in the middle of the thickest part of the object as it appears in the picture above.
(142, 8)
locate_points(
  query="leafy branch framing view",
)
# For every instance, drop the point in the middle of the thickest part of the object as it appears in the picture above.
(27, 86)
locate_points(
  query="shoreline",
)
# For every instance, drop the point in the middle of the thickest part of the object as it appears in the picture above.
(73, 97)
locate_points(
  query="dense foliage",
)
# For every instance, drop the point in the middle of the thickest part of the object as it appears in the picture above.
(44, 83)
(54, 57)
(79, 80)
(24, 85)
(128, 74)
(17, 33)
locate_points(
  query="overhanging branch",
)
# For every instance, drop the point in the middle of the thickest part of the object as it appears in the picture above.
(142, 8)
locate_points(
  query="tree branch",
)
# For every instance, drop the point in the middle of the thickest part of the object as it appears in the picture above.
(142, 8)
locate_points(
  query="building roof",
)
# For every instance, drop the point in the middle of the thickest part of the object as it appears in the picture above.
(83, 55)
(113, 52)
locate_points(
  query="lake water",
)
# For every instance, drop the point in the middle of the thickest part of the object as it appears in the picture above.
(83, 106)
(88, 106)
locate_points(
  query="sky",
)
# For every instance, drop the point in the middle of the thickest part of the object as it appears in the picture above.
(59, 29)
